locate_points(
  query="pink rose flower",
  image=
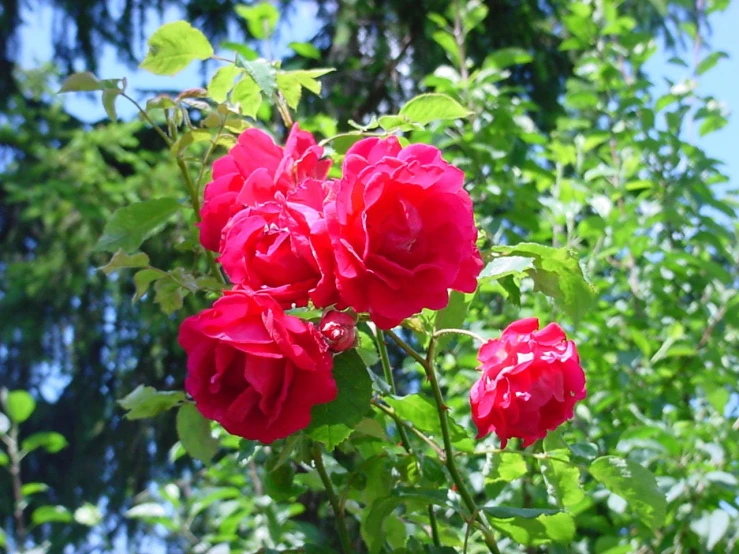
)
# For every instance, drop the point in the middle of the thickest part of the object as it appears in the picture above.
(253, 172)
(254, 369)
(403, 231)
(282, 248)
(530, 382)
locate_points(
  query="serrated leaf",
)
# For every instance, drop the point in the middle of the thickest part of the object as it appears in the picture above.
(557, 274)
(222, 82)
(422, 413)
(290, 88)
(247, 96)
(19, 405)
(173, 47)
(372, 527)
(429, 107)
(133, 224)
(50, 441)
(263, 73)
(561, 477)
(635, 484)
(50, 514)
(451, 317)
(194, 433)
(530, 526)
(142, 279)
(144, 402)
(169, 295)
(261, 19)
(507, 467)
(332, 423)
(121, 260)
(507, 265)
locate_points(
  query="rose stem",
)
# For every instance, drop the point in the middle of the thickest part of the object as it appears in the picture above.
(449, 449)
(346, 544)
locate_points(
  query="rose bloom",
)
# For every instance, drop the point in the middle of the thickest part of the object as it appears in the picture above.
(282, 248)
(252, 172)
(530, 382)
(338, 330)
(403, 230)
(254, 369)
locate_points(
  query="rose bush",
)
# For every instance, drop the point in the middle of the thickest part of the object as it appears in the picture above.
(402, 229)
(253, 369)
(530, 382)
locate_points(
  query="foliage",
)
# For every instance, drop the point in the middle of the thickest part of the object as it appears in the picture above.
(609, 221)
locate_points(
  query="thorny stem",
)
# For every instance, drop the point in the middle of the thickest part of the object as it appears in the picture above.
(145, 115)
(406, 348)
(449, 449)
(346, 544)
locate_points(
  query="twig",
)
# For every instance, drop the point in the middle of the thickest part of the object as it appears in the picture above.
(346, 544)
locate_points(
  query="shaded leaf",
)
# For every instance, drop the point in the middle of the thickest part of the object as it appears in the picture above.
(194, 433)
(133, 224)
(146, 402)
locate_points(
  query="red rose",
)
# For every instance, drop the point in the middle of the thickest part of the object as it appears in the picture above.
(403, 231)
(281, 248)
(339, 330)
(253, 172)
(255, 370)
(530, 382)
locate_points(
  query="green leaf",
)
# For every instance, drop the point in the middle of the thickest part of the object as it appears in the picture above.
(190, 137)
(247, 97)
(372, 527)
(557, 274)
(261, 19)
(145, 511)
(121, 260)
(529, 526)
(305, 49)
(561, 477)
(50, 441)
(424, 416)
(3, 539)
(142, 279)
(426, 108)
(452, 317)
(332, 423)
(88, 514)
(133, 224)
(145, 402)
(507, 466)
(169, 295)
(242, 50)
(29, 489)
(173, 47)
(289, 86)
(711, 527)
(19, 405)
(194, 432)
(86, 82)
(634, 484)
(4, 460)
(109, 98)
(507, 265)
(51, 514)
(710, 61)
(507, 57)
(222, 82)
(263, 73)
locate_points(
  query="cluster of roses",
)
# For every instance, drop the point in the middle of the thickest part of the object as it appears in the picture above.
(389, 238)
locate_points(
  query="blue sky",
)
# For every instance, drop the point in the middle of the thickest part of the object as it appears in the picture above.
(722, 82)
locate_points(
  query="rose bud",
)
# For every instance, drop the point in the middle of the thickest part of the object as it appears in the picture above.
(339, 330)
